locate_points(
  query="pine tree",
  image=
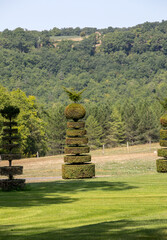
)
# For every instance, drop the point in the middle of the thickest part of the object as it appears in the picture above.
(148, 127)
(116, 134)
(131, 120)
(94, 132)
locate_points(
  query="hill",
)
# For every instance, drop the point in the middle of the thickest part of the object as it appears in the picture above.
(123, 69)
(129, 62)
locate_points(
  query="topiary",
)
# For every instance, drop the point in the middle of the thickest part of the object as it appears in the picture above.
(10, 112)
(162, 163)
(73, 95)
(74, 111)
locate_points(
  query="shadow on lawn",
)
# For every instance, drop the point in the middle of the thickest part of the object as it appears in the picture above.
(114, 230)
(74, 186)
(38, 194)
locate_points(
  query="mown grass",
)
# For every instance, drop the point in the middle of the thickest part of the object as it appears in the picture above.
(130, 204)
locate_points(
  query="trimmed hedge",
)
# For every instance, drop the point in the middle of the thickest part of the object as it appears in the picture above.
(76, 150)
(162, 152)
(75, 132)
(163, 143)
(8, 130)
(163, 134)
(161, 165)
(14, 184)
(76, 171)
(13, 170)
(10, 146)
(75, 125)
(75, 111)
(8, 124)
(163, 120)
(76, 141)
(8, 138)
(77, 159)
(10, 156)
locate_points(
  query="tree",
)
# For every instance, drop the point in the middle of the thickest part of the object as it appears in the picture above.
(148, 127)
(116, 133)
(30, 126)
(56, 130)
(82, 34)
(94, 132)
(131, 119)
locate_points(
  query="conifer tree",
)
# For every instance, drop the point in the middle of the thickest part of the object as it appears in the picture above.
(94, 132)
(117, 129)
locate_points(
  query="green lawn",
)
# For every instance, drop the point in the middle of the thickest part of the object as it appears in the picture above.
(127, 207)
(129, 203)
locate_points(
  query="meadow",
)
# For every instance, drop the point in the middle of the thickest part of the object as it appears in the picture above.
(126, 200)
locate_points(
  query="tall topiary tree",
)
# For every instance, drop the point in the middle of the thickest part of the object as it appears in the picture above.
(162, 152)
(10, 150)
(76, 159)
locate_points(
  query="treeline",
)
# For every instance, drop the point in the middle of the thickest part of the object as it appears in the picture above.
(31, 127)
(127, 62)
(44, 131)
(124, 71)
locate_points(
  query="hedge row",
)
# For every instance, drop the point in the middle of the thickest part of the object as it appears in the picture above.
(14, 184)
(13, 170)
(75, 125)
(76, 141)
(161, 165)
(75, 132)
(77, 159)
(72, 171)
(76, 150)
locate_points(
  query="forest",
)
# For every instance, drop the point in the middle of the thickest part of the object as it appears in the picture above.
(124, 71)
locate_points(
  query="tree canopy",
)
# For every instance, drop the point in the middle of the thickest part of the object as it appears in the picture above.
(124, 71)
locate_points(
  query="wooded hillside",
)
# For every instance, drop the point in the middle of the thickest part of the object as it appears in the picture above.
(124, 71)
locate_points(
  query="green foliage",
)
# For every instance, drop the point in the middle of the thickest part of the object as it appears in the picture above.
(75, 159)
(94, 132)
(119, 69)
(73, 95)
(163, 103)
(161, 165)
(76, 171)
(75, 111)
(56, 129)
(31, 127)
(162, 152)
(76, 150)
(10, 112)
(116, 133)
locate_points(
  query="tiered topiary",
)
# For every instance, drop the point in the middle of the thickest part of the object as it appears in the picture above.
(10, 149)
(162, 163)
(77, 161)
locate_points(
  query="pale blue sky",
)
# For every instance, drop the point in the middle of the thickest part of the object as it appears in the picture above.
(46, 14)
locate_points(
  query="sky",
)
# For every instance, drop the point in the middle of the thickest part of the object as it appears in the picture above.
(47, 14)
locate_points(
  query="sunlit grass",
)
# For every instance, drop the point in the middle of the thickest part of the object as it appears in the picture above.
(105, 208)
(129, 204)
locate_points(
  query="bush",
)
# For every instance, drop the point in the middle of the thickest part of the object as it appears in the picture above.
(76, 150)
(75, 111)
(162, 152)
(75, 125)
(163, 120)
(77, 159)
(72, 171)
(161, 165)
(75, 132)
(77, 141)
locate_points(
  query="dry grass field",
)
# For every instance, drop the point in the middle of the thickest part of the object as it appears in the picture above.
(114, 162)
